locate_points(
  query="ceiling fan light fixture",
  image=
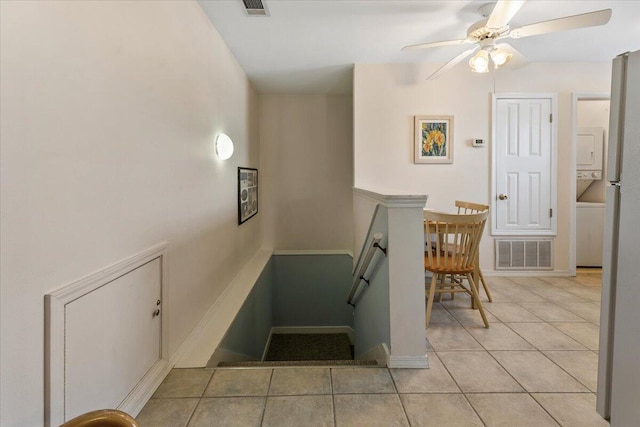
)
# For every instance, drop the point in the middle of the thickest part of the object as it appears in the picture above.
(500, 57)
(479, 63)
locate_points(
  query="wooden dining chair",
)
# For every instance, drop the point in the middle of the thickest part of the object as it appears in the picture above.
(471, 208)
(452, 246)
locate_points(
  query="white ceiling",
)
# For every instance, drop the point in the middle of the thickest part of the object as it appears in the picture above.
(310, 46)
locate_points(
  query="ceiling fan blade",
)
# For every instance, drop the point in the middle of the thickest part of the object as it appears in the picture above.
(590, 19)
(437, 44)
(449, 65)
(502, 13)
(517, 61)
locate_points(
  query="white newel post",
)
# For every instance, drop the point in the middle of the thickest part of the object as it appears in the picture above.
(406, 287)
(408, 346)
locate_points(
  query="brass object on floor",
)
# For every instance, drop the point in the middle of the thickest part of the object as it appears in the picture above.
(102, 418)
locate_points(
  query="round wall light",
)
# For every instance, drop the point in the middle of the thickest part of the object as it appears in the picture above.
(224, 147)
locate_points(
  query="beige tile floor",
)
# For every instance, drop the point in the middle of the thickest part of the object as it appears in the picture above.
(535, 366)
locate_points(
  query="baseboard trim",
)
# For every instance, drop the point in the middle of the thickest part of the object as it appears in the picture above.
(521, 273)
(142, 392)
(379, 353)
(415, 362)
(314, 252)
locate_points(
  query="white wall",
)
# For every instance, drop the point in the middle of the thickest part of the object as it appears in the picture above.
(306, 168)
(595, 113)
(386, 98)
(108, 112)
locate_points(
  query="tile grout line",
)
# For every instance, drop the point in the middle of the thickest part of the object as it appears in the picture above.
(567, 372)
(333, 397)
(575, 339)
(200, 399)
(459, 388)
(511, 375)
(547, 323)
(554, 363)
(545, 410)
(264, 406)
(395, 387)
(193, 412)
(474, 409)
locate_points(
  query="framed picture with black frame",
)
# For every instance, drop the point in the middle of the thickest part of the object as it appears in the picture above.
(247, 193)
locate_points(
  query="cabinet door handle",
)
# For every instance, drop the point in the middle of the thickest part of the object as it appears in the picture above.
(156, 313)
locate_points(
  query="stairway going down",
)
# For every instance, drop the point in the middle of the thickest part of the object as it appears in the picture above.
(306, 350)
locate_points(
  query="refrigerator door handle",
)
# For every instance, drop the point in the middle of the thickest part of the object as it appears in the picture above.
(607, 305)
(616, 117)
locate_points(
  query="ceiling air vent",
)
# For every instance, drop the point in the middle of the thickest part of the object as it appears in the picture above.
(255, 8)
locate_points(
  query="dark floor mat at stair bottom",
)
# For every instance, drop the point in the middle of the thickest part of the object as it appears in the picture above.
(309, 347)
(289, 363)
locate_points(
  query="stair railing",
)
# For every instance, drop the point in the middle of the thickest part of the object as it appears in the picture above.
(364, 260)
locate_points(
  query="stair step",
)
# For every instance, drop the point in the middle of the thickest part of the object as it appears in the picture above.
(309, 347)
(284, 363)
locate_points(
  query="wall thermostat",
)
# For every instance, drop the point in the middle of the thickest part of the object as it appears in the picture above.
(477, 142)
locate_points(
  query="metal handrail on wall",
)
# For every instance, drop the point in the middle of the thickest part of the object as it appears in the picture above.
(359, 277)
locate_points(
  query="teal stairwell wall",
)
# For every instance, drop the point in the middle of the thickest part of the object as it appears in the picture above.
(293, 291)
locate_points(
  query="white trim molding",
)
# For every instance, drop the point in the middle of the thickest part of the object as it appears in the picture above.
(55, 303)
(407, 362)
(379, 353)
(142, 392)
(394, 199)
(313, 252)
(579, 96)
(525, 273)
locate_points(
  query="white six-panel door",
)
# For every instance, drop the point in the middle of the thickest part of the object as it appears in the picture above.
(524, 165)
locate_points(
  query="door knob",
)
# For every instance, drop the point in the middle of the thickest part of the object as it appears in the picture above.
(503, 197)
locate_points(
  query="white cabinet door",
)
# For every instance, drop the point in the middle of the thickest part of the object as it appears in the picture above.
(112, 338)
(524, 175)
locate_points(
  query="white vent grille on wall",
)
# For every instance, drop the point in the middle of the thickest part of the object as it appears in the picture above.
(524, 254)
(255, 8)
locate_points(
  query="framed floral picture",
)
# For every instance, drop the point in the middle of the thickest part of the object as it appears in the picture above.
(433, 139)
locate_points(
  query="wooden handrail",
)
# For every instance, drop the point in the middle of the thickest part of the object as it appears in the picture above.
(103, 418)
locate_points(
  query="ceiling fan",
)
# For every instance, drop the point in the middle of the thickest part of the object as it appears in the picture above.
(485, 33)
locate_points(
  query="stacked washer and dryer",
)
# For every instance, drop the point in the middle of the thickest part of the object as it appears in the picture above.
(589, 215)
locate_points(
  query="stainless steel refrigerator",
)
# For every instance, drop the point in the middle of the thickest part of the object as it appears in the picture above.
(619, 362)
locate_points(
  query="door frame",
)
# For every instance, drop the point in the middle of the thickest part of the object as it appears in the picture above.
(554, 160)
(577, 96)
